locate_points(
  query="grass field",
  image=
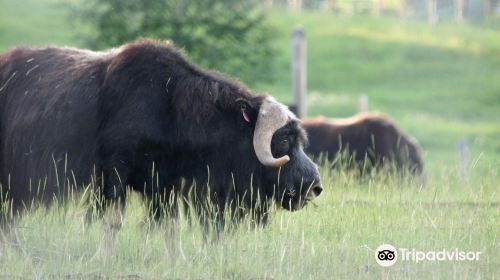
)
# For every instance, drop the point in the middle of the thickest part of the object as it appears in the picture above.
(440, 83)
(334, 240)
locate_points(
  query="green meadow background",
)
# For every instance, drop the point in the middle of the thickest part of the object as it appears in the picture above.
(440, 83)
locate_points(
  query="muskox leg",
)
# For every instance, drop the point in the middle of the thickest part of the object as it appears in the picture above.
(205, 219)
(110, 205)
(260, 217)
(211, 219)
(9, 213)
(185, 199)
(161, 195)
(207, 205)
(112, 223)
(220, 224)
(7, 224)
(173, 241)
(164, 210)
(163, 202)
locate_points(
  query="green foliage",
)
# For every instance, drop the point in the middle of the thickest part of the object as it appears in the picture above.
(231, 35)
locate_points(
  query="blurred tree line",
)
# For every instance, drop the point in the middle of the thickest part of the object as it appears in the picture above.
(231, 36)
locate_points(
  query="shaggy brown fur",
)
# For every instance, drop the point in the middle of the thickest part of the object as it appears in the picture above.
(141, 116)
(370, 135)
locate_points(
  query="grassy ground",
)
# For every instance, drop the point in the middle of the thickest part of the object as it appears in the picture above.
(334, 240)
(440, 83)
(28, 22)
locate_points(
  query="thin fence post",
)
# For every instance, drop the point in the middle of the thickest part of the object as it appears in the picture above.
(295, 4)
(328, 5)
(363, 103)
(459, 10)
(299, 70)
(268, 3)
(463, 158)
(486, 8)
(432, 11)
(403, 10)
(378, 6)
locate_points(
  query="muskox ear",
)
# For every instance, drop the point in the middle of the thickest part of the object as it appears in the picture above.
(246, 110)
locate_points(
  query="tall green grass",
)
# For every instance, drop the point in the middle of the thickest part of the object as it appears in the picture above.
(333, 238)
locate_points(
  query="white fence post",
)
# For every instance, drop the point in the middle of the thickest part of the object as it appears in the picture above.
(363, 103)
(432, 11)
(299, 71)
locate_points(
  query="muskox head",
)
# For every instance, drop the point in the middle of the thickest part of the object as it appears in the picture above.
(278, 142)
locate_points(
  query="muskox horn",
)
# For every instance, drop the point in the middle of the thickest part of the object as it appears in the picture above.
(272, 116)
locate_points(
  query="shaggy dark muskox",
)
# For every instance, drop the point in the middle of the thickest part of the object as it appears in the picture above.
(143, 116)
(369, 136)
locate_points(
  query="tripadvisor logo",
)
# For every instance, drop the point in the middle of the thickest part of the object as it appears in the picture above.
(387, 255)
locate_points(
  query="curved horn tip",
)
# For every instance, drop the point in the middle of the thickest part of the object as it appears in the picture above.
(279, 161)
(272, 116)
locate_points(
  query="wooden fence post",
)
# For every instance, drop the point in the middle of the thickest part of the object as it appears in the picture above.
(487, 7)
(403, 9)
(329, 5)
(459, 10)
(299, 70)
(432, 11)
(378, 6)
(268, 3)
(295, 4)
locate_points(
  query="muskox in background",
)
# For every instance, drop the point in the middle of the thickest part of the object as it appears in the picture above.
(367, 137)
(143, 116)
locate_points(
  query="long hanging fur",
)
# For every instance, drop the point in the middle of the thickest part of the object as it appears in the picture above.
(140, 116)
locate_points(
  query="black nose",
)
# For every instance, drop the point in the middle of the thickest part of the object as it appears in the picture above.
(314, 191)
(317, 189)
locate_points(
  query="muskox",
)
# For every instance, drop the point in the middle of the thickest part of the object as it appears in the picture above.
(143, 118)
(367, 139)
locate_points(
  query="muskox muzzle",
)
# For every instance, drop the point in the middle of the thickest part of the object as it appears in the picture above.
(278, 143)
(305, 184)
